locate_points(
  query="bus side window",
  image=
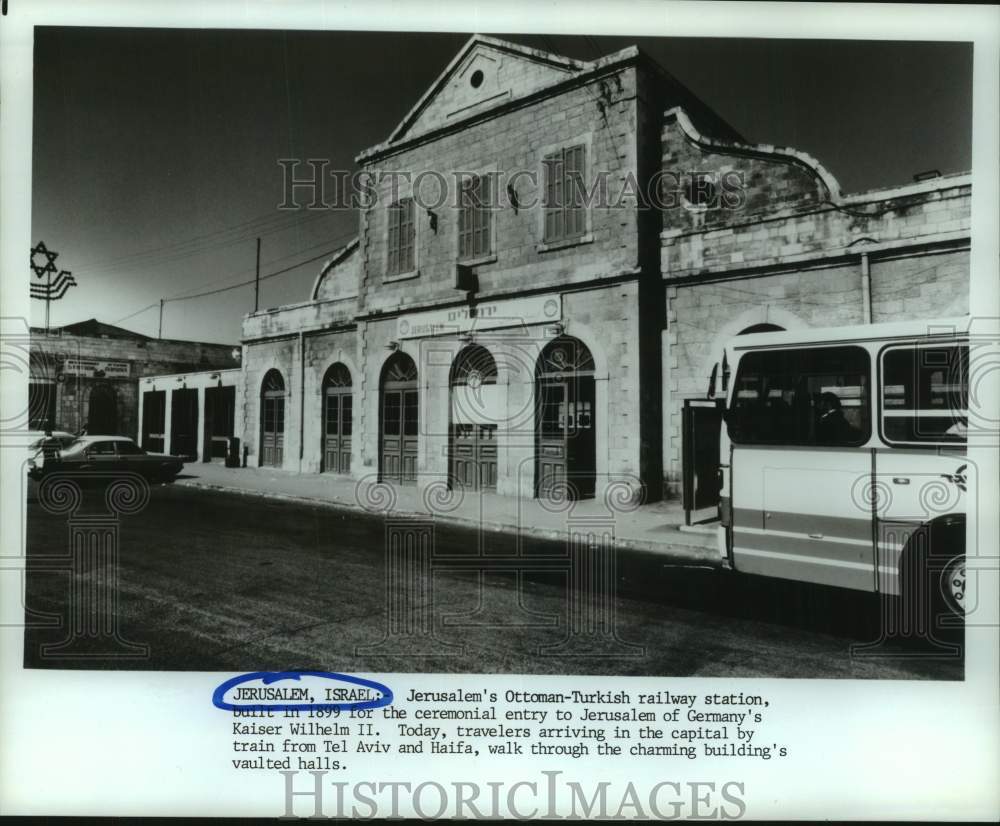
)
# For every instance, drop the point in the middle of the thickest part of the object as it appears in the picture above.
(816, 396)
(925, 394)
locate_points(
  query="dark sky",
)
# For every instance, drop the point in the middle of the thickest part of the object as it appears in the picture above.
(155, 151)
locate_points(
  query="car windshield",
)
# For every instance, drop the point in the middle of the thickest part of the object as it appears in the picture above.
(75, 446)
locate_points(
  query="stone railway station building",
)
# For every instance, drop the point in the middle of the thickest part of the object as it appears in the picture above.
(538, 331)
(95, 377)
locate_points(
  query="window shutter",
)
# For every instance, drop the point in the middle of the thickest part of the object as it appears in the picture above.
(466, 221)
(549, 207)
(484, 216)
(408, 236)
(474, 219)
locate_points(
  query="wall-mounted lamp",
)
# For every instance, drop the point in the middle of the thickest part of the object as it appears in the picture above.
(214, 376)
(512, 197)
(392, 345)
(432, 219)
(556, 330)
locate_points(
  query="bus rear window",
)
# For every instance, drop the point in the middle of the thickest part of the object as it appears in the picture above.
(925, 394)
(816, 396)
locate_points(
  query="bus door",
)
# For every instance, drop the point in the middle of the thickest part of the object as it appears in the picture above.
(798, 421)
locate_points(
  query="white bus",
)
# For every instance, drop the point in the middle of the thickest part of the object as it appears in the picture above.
(843, 458)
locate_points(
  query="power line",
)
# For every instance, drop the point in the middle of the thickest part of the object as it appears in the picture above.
(251, 281)
(137, 312)
(219, 290)
(324, 243)
(198, 244)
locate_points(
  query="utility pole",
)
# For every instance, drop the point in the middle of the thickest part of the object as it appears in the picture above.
(256, 281)
(160, 333)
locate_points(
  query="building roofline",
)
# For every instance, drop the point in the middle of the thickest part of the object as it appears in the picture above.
(338, 257)
(536, 55)
(140, 339)
(787, 154)
(780, 153)
(586, 72)
(951, 181)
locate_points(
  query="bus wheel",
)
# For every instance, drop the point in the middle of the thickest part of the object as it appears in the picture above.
(952, 583)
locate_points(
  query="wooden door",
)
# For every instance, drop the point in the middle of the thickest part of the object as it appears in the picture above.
(398, 421)
(338, 430)
(474, 456)
(566, 449)
(273, 446)
(399, 435)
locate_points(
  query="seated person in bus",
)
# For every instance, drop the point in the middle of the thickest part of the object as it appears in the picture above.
(832, 427)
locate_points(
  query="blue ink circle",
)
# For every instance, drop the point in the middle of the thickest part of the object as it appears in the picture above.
(268, 677)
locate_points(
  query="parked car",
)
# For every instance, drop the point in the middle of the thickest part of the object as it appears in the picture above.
(106, 454)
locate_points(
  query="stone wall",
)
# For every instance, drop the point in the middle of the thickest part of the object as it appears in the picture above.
(601, 117)
(790, 250)
(145, 357)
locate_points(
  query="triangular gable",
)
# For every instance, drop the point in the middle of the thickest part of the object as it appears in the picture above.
(93, 327)
(485, 73)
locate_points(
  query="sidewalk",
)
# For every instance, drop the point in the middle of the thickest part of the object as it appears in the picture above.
(654, 528)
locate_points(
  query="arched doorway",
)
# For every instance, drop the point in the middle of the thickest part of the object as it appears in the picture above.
(398, 420)
(272, 420)
(472, 446)
(338, 419)
(565, 452)
(102, 411)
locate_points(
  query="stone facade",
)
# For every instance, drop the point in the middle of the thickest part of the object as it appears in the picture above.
(692, 236)
(69, 365)
(789, 250)
(498, 110)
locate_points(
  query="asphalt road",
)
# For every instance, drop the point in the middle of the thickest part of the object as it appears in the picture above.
(214, 581)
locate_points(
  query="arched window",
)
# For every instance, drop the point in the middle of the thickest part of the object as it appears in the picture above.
(565, 355)
(761, 328)
(272, 420)
(474, 366)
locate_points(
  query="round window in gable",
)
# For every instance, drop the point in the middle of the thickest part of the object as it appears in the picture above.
(477, 79)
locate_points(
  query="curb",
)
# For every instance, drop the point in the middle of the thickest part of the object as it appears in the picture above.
(699, 555)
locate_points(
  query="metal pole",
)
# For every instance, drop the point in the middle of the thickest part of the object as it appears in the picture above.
(48, 300)
(159, 333)
(256, 281)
